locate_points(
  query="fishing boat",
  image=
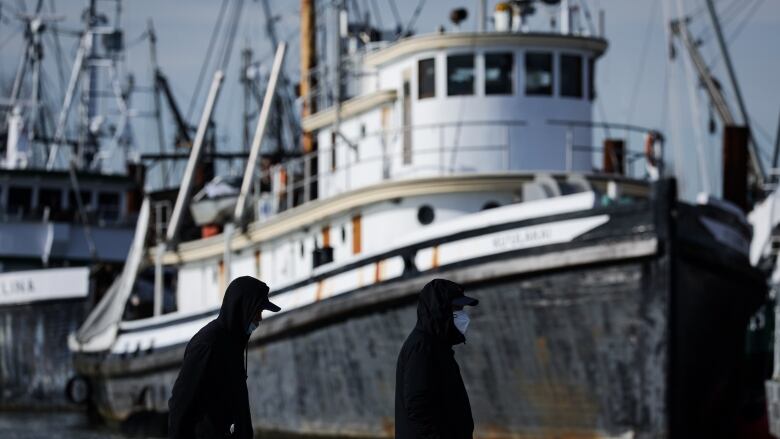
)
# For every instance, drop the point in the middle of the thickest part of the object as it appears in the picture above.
(608, 306)
(68, 210)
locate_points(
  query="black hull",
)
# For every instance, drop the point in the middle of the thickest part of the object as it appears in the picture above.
(35, 362)
(635, 329)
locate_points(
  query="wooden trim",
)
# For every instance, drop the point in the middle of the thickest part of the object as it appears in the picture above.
(349, 108)
(357, 235)
(326, 236)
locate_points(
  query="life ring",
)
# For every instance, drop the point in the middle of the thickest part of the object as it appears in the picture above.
(78, 390)
(650, 155)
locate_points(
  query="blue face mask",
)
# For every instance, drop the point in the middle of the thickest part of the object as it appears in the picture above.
(461, 321)
(251, 328)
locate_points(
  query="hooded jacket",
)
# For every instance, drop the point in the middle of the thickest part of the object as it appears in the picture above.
(210, 393)
(430, 398)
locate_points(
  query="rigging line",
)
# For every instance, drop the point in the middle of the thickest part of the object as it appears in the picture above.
(137, 40)
(730, 13)
(588, 17)
(377, 14)
(59, 61)
(694, 103)
(642, 60)
(212, 41)
(415, 16)
(396, 15)
(777, 147)
(664, 99)
(761, 130)
(231, 37)
(671, 115)
(9, 38)
(745, 20)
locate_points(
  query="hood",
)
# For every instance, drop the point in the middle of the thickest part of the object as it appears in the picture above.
(434, 310)
(243, 297)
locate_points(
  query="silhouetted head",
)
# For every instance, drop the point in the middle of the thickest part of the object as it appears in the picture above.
(438, 299)
(245, 298)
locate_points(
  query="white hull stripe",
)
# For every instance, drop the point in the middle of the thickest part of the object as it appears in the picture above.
(21, 287)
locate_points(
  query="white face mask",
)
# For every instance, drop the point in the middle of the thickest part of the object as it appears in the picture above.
(462, 320)
(251, 328)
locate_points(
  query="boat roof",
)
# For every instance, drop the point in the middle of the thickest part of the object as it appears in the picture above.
(422, 43)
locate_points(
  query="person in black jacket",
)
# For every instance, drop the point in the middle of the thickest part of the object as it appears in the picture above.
(210, 398)
(430, 398)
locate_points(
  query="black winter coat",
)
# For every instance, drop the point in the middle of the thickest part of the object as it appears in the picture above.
(210, 393)
(430, 398)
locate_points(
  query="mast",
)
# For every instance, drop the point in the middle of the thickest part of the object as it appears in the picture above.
(89, 92)
(186, 186)
(246, 61)
(308, 83)
(157, 105)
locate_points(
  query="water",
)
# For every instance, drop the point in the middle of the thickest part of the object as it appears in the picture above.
(55, 425)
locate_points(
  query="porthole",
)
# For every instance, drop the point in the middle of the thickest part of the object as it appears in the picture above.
(425, 215)
(490, 205)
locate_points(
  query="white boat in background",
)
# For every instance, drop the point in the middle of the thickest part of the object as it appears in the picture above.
(67, 210)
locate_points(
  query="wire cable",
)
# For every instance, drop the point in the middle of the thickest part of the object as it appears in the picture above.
(231, 36)
(377, 14)
(745, 20)
(212, 41)
(642, 59)
(398, 22)
(415, 16)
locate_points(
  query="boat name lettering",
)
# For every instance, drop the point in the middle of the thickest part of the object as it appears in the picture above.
(17, 286)
(522, 237)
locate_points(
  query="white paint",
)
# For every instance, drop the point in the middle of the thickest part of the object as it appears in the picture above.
(459, 134)
(517, 239)
(764, 218)
(48, 284)
(158, 337)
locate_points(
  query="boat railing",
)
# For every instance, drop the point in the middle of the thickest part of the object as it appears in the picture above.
(450, 149)
(645, 163)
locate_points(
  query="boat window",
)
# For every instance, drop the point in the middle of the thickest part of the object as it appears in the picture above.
(108, 206)
(499, 71)
(19, 199)
(591, 78)
(571, 76)
(86, 199)
(426, 78)
(460, 75)
(140, 305)
(425, 214)
(51, 198)
(538, 74)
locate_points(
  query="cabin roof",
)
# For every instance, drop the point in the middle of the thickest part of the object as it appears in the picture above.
(421, 43)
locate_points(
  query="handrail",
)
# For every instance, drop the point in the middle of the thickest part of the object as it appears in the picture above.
(290, 179)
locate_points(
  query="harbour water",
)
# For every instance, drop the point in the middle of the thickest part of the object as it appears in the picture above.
(58, 425)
